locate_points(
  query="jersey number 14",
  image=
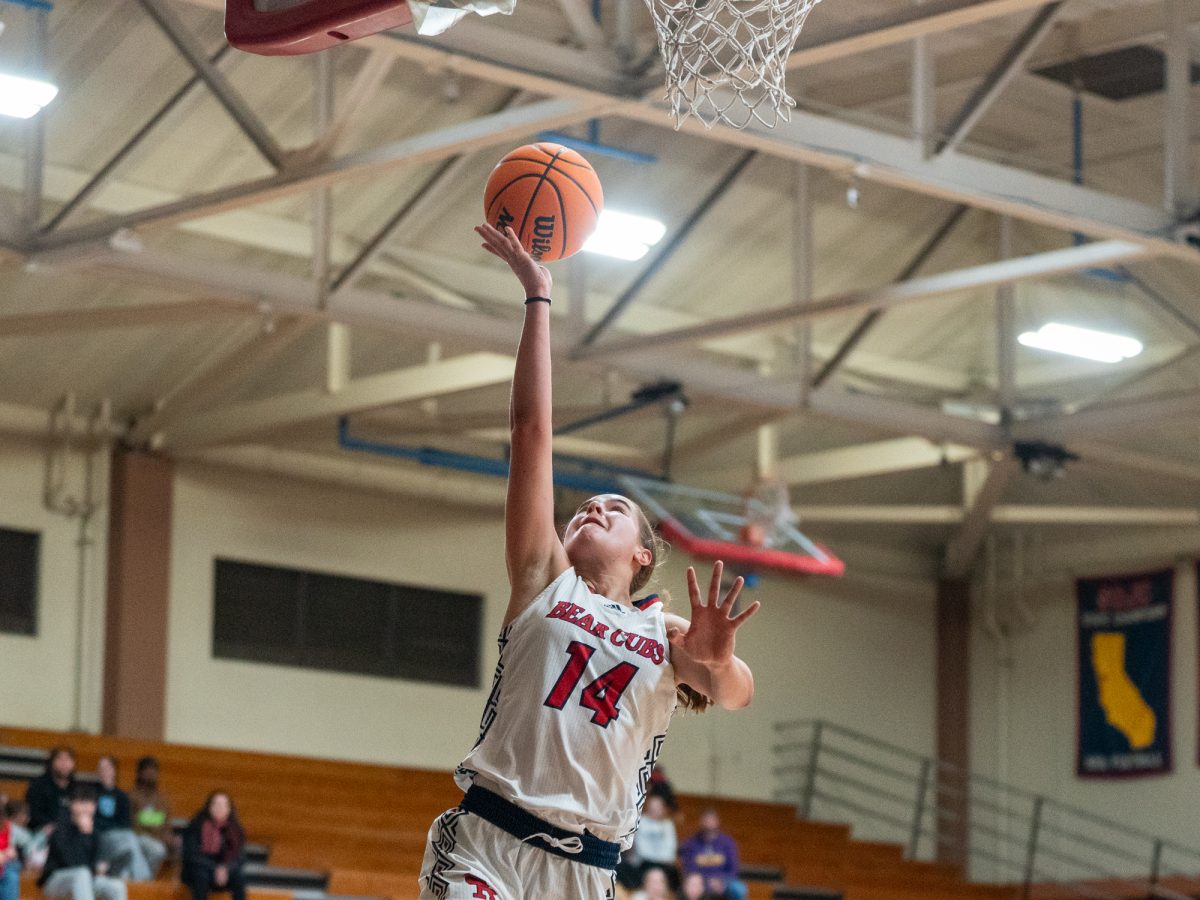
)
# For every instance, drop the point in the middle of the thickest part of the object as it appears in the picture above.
(601, 695)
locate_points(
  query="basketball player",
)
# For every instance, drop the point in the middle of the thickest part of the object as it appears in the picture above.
(588, 677)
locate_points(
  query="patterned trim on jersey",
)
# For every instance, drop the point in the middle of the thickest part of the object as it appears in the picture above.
(646, 602)
(644, 775)
(493, 700)
(443, 851)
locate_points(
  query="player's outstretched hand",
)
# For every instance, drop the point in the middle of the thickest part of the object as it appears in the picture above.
(709, 639)
(535, 278)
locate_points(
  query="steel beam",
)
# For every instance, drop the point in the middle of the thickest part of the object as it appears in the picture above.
(236, 424)
(1007, 514)
(664, 253)
(586, 29)
(486, 131)
(35, 129)
(900, 417)
(367, 82)
(108, 317)
(923, 87)
(98, 179)
(1006, 331)
(803, 262)
(815, 46)
(1178, 180)
(1042, 265)
(1136, 461)
(868, 322)
(866, 460)
(217, 374)
(1113, 417)
(981, 501)
(1009, 66)
(324, 97)
(229, 98)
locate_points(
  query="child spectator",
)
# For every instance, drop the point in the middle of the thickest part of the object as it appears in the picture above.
(10, 864)
(73, 868)
(49, 795)
(694, 889)
(214, 850)
(654, 886)
(655, 841)
(714, 856)
(119, 846)
(152, 816)
(31, 847)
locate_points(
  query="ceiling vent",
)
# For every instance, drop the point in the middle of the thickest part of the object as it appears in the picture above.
(1117, 75)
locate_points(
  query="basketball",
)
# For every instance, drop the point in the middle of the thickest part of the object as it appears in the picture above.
(549, 194)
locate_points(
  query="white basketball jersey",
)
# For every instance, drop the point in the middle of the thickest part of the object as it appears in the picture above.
(579, 709)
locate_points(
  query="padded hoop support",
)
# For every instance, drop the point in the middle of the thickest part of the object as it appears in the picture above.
(753, 557)
(310, 26)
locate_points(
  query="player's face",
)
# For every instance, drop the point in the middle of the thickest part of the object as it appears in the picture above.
(607, 523)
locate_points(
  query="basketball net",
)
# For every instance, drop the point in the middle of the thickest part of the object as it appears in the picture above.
(726, 60)
(768, 509)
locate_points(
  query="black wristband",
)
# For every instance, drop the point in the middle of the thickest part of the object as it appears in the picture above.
(529, 300)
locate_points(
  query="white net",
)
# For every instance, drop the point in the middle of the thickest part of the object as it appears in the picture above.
(726, 60)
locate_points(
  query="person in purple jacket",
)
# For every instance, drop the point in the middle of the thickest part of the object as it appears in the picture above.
(714, 856)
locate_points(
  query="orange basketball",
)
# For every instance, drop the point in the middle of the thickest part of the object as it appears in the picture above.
(550, 196)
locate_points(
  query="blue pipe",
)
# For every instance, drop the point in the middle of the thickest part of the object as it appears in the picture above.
(40, 5)
(594, 146)
(595, 477)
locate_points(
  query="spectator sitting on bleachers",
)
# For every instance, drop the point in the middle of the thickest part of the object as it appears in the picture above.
(654, 886)
(693, 888)
(119, 846)
(655, 841)
(10, 863)
(73, 868)
(49, 795)
(31, 846)
(714, 856)
(152, 815)
(214, 850)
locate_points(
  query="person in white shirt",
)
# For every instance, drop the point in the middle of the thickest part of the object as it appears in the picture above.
(655, 841)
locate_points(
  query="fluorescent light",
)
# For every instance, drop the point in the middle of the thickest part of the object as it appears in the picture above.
(1083, 342)
(624, 235)
(23, 98)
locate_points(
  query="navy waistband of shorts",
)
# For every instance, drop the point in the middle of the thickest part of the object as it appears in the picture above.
(529, 829)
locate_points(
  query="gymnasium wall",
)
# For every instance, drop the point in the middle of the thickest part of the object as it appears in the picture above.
(806, 646)
(1028, 738)
(39, 674)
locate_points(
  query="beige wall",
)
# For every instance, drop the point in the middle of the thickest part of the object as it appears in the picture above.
(1029, 738)
(806, 647)
(39, 673)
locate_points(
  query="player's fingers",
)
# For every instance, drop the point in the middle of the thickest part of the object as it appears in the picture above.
(674, 635)
(693, 588)
(714, 586)
(731, 597)
(750, 610)
(492, 250)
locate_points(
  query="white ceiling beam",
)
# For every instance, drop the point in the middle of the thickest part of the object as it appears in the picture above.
(234, 424)
(816, 46)
(1007, 514)
(1113, 417)
(1009, 271)
(865, 460)
(229, 365)
(900, 417)
(367, 83)
(68, 321)
(1136, 461)
(1179, 179)
(984, 482)
(485, 131)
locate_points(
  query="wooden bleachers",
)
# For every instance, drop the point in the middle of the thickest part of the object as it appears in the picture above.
(366, 824)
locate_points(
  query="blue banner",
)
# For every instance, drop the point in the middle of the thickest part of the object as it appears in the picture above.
(1124, 645)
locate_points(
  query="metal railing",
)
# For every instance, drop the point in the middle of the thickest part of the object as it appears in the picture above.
(996, 832)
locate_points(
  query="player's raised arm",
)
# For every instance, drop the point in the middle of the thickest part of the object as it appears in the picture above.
(532, 549)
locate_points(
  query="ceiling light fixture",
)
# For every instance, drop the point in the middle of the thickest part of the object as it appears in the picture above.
(24, 98)
(624, 235)
(1099, 346)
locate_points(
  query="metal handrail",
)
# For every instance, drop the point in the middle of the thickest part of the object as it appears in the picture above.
(960, 798)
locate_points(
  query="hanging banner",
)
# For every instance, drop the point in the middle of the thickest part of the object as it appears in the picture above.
(1124, 646)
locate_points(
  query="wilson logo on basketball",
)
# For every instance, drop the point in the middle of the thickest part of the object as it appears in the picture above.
(543, 236)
